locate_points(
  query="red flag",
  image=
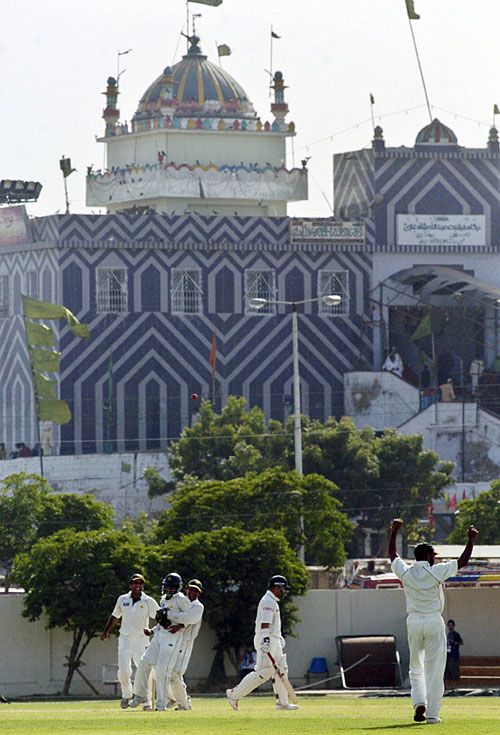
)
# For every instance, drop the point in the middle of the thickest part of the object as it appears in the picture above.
(453, 501)
(212, 360)
(430, 516)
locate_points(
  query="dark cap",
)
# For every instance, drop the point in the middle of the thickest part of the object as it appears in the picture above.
(196, 584)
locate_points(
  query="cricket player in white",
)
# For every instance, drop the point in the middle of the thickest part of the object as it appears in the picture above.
(190, 622)
(164, 645)
(268, 639)
(422, 583)
(135, 609)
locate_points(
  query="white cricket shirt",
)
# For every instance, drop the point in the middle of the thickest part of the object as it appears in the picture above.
(422, 583)
(134, 615)
(191, 618)
(268, 612)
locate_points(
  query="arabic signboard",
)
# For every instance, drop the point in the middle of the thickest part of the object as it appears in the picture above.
(326, 231)
(441, 229)
(14, 226)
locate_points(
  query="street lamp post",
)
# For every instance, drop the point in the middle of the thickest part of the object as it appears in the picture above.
(330, 300)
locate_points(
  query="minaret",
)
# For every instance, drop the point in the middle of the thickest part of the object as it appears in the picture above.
(111, 114)
(493, 145)
(279, 107)
(378, 143)
(167, 95)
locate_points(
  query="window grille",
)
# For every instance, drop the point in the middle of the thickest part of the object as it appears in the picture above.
(330, 283)
(112, 289)
(186, 291)
(32, 284)
(4, 296)
(260, 284)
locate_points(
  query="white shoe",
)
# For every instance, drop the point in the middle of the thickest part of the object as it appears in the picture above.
(433, 720)
(147, 708)
(286, 706)
(181, 707)
(171, 703)
(136, 701)
(161, 708)
(232, 701)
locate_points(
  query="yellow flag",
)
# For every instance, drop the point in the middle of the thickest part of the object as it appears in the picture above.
(34, 309)
(38, 335)
(48, 361)
(44, 387)
(53, 410)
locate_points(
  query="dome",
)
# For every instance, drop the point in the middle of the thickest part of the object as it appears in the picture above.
(436, 134)
(195, 86)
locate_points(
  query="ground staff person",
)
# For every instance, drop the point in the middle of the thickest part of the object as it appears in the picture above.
(268, 639)
(135, 609)
(422, 583)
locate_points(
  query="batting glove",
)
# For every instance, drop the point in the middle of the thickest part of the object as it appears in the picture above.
(265, 646)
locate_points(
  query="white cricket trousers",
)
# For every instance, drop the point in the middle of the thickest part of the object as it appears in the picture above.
(264, 671)
(130, 648)
(427, 643)
(178, 690)
(161, 654)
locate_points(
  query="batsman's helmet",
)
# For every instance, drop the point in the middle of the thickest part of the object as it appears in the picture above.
(278, 581)
(172, 581)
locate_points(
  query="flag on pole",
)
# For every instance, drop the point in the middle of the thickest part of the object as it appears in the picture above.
(45, 388)
(53, 410)
(212, 360)
(453, 501)
(496, 111)
(372, 99)
(424, 329)
(447, 500)
(410, 9)
(274, 35)
(38, 335)
(48, 361)
(34, 309)
(65, 166)
(213, 3)
(223, 50)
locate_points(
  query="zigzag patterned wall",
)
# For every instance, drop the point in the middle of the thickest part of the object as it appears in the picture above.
(158, 359)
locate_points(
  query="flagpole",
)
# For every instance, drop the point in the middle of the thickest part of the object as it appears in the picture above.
(420, 69)
(372, 102)
(271, 60)
(37, 420)
(187, 25)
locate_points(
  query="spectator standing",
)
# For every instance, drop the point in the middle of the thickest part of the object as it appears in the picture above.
(247, 662)
(447, 392)
(454, 641)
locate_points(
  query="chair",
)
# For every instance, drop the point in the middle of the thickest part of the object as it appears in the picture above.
(369, 661)
(318, 669)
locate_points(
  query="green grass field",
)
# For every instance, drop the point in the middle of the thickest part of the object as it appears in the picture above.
(317, 716)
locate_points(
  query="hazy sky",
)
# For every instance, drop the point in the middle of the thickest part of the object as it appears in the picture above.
(56, 55)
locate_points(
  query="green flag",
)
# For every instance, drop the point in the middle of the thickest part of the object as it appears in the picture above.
(410, 9)
(126, 467)
(44, 387)
(223, 50)
(424, 329)
(496, 111)
(34, 309)
(38, 335)
(48, 361)
(53, 410)
(213, 3)
(65, 166)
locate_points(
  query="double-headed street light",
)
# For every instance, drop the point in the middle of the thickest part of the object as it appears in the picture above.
(329, 300)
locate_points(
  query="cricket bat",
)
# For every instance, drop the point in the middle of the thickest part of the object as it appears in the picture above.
(285, 680)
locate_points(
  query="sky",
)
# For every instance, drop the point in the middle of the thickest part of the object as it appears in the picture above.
(56, 55)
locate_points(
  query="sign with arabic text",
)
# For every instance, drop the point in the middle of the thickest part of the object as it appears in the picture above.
(326, 231)
(441, 229)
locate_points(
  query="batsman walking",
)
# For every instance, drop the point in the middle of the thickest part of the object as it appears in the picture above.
(269, 644)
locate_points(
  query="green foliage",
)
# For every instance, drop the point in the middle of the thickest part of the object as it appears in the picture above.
(234, 566)
(22, 499)
(144, 527)
(69, 510)
(272, 499)
(482, 512)
(74, 579)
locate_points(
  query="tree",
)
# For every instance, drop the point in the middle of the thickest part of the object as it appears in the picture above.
(235, 567)
(272, 499)
(69, 510)
(482, 512)
(74, 579)
(22, 499)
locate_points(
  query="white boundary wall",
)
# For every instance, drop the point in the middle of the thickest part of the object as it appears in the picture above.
(33, 658)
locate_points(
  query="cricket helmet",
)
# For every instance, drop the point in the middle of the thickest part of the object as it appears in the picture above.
(278, 580)
(172, 581)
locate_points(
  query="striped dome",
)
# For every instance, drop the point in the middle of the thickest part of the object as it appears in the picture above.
(436, 134)
(197, 87)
